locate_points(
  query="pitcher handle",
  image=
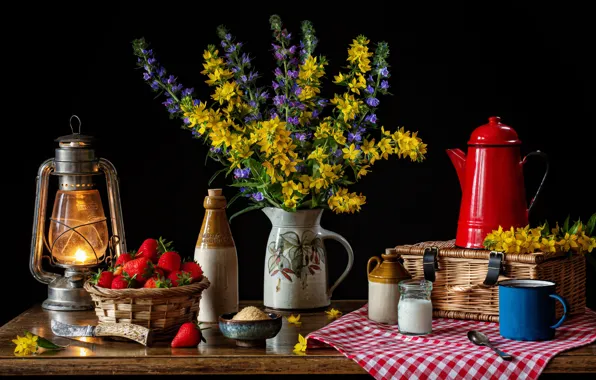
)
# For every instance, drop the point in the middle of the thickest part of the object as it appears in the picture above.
(543, 155)
(564, 303)
(326, 234)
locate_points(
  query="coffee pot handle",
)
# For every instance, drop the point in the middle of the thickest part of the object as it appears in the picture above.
(543, 155)
(332, 235)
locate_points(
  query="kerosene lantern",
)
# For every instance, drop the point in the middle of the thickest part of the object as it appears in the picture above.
(78, 237)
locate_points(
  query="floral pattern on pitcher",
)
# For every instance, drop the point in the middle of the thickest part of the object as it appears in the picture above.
(293, 257)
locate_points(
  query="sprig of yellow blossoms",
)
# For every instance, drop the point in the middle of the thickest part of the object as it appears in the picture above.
(527, 240)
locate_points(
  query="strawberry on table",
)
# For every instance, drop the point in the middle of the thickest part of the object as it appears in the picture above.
(103, 279)
(180, 278)
(169, 261)
(195, 270)
(188, 335)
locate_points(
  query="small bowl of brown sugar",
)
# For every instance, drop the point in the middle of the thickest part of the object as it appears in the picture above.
(250, 327)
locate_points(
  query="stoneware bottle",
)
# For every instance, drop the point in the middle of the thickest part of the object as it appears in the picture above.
(216, 253)
(383, 290)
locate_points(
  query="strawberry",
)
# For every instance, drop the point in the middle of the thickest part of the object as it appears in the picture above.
(141, 269)
(103, 279)
(158, 282)
(124, 258)
(180, 278)
(188, 335)
(159, 272)
(148, 249)
(169, 261)
(121, 282)
(195, 270)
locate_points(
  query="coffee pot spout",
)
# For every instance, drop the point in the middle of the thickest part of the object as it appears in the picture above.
(458, 157)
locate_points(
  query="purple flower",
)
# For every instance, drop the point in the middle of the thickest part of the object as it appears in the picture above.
(278, 72)
(252, 103)
(297, 90)
(168, 102)
(384, 84)
(258, 196)
(372, 118)
(241, 173)
(228, 36)
(300, 167)
(151, 61)
(294, 61)
(338, 153)
(279, 56)
(196, 133)
(245, 59)
(370, 78)
(171, 79)
(369, 89)
(161, 72)
(373, 102)
(196, 102)
(273, 114)
(264, 95)
(315, 114)
(186, 121)
(292, 49)
(187, 91)
(299, 136)
(293, 120)
(215, 150)
(361, 130)
(177, 87)
(175, 108)
(275, 85)
(384, 72)
(293, 73)
(322, 102)
(297, 104)
(146, 76)
(354, 137)
(279, 100)
(155, 85)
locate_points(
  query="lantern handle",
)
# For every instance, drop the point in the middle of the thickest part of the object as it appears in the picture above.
(70, 122)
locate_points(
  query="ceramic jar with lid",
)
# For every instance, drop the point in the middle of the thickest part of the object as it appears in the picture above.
(383, 286)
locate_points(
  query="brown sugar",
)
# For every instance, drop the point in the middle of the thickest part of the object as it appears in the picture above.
(250, 313)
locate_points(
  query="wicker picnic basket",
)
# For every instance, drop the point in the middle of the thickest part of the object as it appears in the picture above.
(459, 289)
(161, 310)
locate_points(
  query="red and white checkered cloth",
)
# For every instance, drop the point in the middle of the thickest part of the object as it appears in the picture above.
(446, 353)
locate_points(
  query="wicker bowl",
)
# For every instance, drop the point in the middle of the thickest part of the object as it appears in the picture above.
(161, 310)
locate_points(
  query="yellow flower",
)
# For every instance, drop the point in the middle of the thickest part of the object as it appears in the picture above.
(351, 153)
(333, 313)
(300, 347)
(225, 92)
(25, 345)
(363, 171)
(368, 146)
(548, 245)
(568, 242)
(295, 320)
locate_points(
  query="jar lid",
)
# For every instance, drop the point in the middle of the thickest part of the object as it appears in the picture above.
(494, 133)
(389, 271)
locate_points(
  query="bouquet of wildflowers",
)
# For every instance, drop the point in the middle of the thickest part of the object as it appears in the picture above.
(285, 145)
(574, 237)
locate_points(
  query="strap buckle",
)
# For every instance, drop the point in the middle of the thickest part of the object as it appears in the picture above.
(495, 267)
(430, 263)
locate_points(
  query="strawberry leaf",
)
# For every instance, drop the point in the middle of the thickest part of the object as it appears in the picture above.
(164, 246)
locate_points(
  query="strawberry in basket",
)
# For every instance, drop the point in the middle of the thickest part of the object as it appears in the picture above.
(141, 269)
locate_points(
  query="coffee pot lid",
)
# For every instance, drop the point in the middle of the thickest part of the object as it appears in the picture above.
(494, 133)
(389, 271)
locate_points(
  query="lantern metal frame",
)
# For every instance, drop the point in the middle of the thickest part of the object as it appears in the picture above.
(75, 163)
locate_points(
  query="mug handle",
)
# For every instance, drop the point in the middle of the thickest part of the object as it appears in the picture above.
(326, 234)
(564, 303)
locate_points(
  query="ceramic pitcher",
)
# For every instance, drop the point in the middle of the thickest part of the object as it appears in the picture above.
(296, 272)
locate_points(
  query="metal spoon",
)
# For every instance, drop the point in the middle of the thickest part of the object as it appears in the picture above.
(480, 339)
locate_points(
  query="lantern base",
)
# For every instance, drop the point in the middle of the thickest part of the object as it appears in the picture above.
(67, 293)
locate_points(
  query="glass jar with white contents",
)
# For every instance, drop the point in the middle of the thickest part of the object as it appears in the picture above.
(415, 310)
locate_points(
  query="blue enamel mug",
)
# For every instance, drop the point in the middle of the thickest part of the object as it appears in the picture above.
(527, 309)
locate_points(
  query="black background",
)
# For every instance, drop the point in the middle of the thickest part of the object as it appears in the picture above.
(453, 65)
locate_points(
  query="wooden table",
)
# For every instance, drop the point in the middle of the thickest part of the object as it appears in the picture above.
(220, 355)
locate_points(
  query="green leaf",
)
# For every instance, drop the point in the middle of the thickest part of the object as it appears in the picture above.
(215, 175)
(566, 224)
(245, 184)
(575, 227)
(591, 225)
(255, 207)
(234, 198)
(546, 229)
(291, 238)
(44, 343)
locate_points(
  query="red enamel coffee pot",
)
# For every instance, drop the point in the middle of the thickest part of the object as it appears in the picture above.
(492, 183)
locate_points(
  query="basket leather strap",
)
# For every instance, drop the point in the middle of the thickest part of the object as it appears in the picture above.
(430, 263)
(495, 266)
